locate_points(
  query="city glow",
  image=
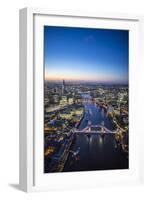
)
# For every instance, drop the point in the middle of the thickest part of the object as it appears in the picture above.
(72, 74)
(86, 118)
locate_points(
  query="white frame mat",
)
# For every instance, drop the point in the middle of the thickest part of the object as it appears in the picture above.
(32, 177)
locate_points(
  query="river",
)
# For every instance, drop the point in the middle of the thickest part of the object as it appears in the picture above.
(96, 152)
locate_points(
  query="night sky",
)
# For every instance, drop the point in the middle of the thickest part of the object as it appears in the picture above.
(86, 54)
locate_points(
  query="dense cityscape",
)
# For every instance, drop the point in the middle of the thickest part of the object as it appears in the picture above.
(86, 94)
(75, 111)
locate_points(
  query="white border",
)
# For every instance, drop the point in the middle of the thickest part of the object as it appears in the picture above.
(33, 179)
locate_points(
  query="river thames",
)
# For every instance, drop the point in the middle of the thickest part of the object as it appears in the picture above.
(95, 152)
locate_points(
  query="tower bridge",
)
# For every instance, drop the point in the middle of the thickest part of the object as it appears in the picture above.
(96, 129)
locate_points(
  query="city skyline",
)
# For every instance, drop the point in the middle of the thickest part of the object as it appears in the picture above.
(86, 115)
(85, 54)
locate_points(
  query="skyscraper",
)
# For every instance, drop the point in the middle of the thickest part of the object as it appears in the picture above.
(63, 87)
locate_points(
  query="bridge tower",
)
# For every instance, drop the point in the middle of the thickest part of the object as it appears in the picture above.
(102, 123)
(102, 128)
(89, 125)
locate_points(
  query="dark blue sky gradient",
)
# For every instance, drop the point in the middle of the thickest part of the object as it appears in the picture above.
(86, 54)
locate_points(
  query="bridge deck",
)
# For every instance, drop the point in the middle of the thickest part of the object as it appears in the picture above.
(95, 132)
(102, 130)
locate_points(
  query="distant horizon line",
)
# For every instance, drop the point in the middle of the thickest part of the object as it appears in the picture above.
(86, 81)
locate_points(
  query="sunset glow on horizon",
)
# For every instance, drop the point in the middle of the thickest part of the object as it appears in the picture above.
(78, 76)
(83, 54)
